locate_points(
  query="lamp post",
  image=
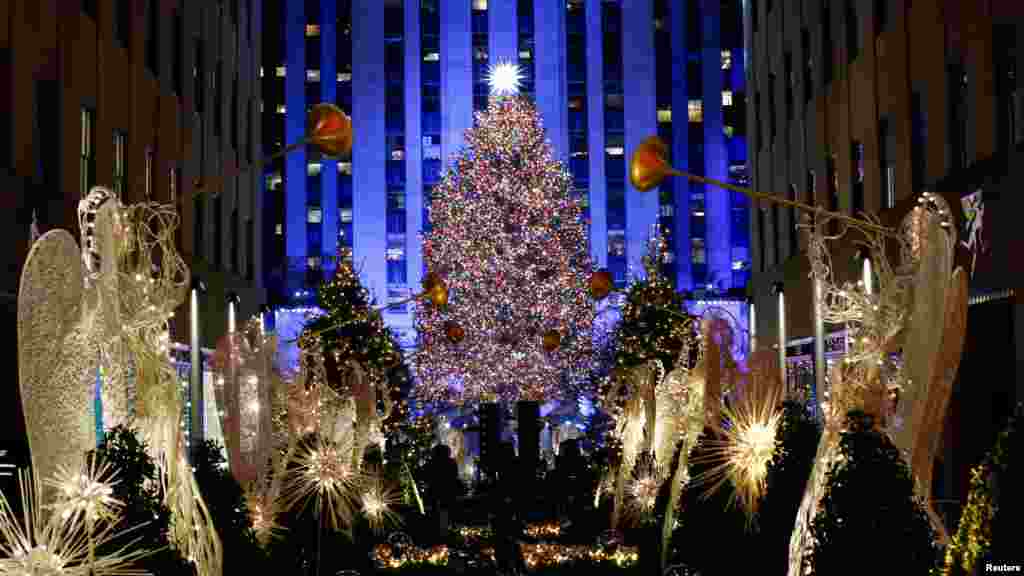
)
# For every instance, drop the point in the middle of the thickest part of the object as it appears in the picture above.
(819, 344)
(195, 380)
(232, 301)
(778, 290)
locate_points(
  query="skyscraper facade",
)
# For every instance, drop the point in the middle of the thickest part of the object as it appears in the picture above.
(605, 75)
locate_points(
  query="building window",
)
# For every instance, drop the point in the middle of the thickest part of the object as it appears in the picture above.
(312, 75)
(698, 254)
(250, 249)
(120, 149)
(314, 215)
(726, 60)
(790, 80)
(281, 109)
(958, 94)
(250, 119)
(776, 234)
(198, 229)
(122, 22)
(726, 97)
(176, 48)
(808, 72)
(857, 184)
(665, 116)
(312, 30)
(695, 110)
(218, 233)
(833, 191)
(153, 37)
(149, 174)
(1007, 93)
(794, 240)
(918, 138)
(218, 104)
(852, 31)
(761, 237)
(758, 127)
(172, 185)
(199, 76)
(87, 159)
(886, 145)
(281, 71)
(827, 49)
(234, 113)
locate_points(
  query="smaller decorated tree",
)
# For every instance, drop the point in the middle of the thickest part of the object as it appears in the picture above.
(350, 328)
(870, 516)
(654, 324)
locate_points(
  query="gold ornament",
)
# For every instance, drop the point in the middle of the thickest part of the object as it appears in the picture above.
(330, 130)
(552, 340)
(648, 167)
(601, 284)
(435, 289)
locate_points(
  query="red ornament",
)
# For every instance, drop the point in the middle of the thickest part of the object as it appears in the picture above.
(454, 332)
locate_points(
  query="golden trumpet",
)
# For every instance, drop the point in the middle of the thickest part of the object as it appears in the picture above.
(648, 166)
(330, 130)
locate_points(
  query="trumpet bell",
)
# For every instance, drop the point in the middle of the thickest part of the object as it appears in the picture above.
(647, 167)
(330, 130)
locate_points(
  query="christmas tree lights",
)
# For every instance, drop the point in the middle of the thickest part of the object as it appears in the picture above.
(509, 241)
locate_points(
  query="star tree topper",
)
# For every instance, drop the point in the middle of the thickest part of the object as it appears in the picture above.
(504, 79)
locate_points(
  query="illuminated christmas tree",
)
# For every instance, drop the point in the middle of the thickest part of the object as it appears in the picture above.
(508, 239)
(352, 330)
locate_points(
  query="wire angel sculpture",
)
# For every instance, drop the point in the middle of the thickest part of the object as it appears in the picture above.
(245, 376)
(109, 303)
(919, 307)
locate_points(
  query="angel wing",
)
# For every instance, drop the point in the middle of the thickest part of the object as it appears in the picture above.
(57, 357)
(929, 430)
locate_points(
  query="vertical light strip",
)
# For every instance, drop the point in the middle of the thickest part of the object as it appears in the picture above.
(195, 381)
(753, 328)
(819, 346)
(231, 316)
(782, 337)
(868, 277)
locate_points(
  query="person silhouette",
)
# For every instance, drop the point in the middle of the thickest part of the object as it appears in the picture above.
(443, 478)
(507, 519)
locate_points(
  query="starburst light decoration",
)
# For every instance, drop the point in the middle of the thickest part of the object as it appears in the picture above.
(508, 239)
(52, 544)
(88, 491)
(322, 470)
(504, 79)
(378, 500)
(744, 450)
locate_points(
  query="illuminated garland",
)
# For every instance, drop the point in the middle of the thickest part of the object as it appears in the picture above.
(508, 239)
(974, 534)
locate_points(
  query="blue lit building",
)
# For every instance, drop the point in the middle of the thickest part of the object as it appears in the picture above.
(605, 75)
